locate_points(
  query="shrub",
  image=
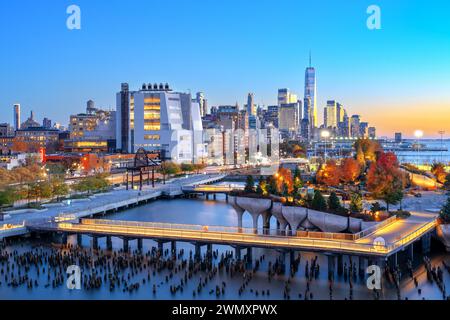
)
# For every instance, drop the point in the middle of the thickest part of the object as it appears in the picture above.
(249, 184)
(356, 205)
(318, 202)
(334, 204)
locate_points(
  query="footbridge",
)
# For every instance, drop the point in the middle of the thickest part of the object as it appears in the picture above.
(379, 243)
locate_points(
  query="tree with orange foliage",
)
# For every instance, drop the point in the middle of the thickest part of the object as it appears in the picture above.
(350, 170)
(298, 151)
(369, 149)
(438, 170)
(19, 146)
(284, 180)
(25, 147)
(385, 179)
(329, 174)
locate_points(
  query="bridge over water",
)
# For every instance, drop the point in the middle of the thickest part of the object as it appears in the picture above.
(376, 244)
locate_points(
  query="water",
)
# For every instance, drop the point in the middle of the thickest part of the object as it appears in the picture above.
(426, 157)
(199, 211)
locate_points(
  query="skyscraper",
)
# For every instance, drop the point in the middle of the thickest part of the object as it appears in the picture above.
(288, 117)
(354, 126)
(286, 97)
(251, 107)
(363, 129)
(344, 125)
(17, 116)
(310, 108)
(372, 132)
(331, 114)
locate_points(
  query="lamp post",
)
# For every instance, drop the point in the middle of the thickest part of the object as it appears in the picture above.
(325, 134)
(442, 132)
(418, 134)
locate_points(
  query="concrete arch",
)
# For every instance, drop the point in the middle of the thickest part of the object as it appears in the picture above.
(328, 222)
(255, 207)
(247, 220)
(237, 208)
(278, 215)
(294, 216)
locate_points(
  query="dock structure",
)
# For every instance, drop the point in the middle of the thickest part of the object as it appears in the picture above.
(398, 236)
(100, 205)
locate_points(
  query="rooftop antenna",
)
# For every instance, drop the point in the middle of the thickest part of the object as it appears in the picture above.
(310, 58)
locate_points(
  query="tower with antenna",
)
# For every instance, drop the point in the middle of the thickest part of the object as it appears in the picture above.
(310, 100)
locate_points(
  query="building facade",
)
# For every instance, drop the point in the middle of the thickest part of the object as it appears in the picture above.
(159, 120)
(310, 100)
(331, 115)
(93, 131)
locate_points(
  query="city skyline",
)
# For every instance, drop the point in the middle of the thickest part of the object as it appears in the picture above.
(397, 70)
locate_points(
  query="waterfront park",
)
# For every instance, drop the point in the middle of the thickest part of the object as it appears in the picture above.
(196, 232)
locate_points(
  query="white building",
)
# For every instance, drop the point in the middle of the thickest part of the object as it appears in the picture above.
(157, 119)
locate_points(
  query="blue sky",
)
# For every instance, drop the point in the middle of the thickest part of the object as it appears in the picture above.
(396, 78)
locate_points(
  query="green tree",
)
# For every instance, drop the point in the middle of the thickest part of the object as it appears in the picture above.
(59, 187)
(169, 168)
(8, 196)
(271, 185)
(45, 190)
(445, 212)
(334, 204)
(375, 207)
(187, 167)
(33, 191)
(297, 182)
(92, 183)
(394, 197)
(356, 203)
(249, 184)
(318, 202)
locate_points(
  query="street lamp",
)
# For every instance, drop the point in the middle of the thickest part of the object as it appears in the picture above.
(442, 132)
(418, 134)
(325, 134)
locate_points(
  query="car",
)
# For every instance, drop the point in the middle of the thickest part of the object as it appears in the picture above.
(418, 195)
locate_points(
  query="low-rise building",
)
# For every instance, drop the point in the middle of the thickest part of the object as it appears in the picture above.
(93, 131)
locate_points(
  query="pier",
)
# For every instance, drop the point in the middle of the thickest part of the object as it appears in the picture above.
(397, 236)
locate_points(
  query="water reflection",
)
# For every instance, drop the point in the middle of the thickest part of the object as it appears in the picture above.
(210, 212)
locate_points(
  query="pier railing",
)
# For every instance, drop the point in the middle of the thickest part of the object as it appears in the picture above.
(212, 188)
(144, 229)
(378, 226)
(229, 235)
(412, 236)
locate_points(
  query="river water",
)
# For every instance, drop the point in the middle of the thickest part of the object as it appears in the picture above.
(203, 212)
(426, 157)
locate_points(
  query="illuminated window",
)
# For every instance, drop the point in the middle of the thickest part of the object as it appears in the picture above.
(152, 127)
(152, 137)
